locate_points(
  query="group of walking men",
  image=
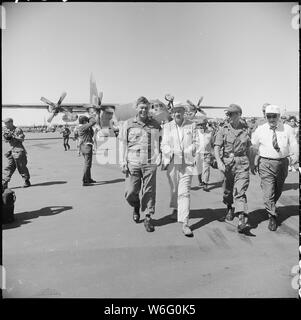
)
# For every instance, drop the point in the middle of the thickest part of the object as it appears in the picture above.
(176, 147)
(181, 146)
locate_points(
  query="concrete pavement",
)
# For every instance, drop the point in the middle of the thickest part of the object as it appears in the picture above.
(74, 241)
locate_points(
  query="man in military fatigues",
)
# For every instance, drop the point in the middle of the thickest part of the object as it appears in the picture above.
(16, 156)
(234, 141)
(139, 157)
(66, 133)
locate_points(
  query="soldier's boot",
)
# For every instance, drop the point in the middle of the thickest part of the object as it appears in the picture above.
(230, 213)
(201, 183)
(242, 222)
(136, 214)
(149, 227)
(26, 183)
(272, 223)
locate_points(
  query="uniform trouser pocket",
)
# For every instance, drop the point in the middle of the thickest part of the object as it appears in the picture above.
(273, 174)
(20, 162)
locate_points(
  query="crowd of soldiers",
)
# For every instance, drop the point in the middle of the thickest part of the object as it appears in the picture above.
(185, 146)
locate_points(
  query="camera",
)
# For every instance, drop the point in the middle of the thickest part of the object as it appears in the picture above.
(8, 135)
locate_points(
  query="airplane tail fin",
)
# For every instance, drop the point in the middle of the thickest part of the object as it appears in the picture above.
(93, 91)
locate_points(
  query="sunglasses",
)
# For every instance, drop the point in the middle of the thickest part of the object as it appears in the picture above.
(272, 116)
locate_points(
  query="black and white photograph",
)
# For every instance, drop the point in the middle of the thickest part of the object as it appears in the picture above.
(150, 150)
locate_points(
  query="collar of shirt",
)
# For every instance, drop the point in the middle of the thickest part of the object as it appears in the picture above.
(183, 123)
(279, 126)
(147, 121)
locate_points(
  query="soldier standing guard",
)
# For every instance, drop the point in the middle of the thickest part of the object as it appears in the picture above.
(16, 156)
(233, 137)
(85, 133)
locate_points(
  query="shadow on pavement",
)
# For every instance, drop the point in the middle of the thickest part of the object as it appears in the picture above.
(23, 217)
(49, 183)
(99, 183)
(211, 186)
(290, 186)
(163, 221)
(258, 216)
(207, 215)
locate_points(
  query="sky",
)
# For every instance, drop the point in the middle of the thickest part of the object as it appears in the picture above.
(243, 53)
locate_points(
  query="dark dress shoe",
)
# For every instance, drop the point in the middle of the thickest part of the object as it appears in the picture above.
(242, 223)
(205, 188)
(86, 184)
(201, 183)
(136, 215)
(26, 184)
(230, 213)
(148, 225)
(186, 230)
(92, 181)
(273, 223)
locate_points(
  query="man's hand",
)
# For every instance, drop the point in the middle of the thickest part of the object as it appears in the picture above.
(254, 166)
(221, 166)
(159, 160)
(294, 159)
(125, 168)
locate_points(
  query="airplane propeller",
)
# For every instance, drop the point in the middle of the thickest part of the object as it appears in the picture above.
(170, 100)
(54, 108)
(62, 97)
(199, 102)
(197, 106)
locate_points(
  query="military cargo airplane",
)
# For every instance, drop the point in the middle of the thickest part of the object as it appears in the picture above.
(159, 110)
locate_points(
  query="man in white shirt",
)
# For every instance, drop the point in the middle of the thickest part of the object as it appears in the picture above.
(275, 142)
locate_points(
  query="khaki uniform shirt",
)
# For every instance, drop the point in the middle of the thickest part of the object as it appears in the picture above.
(235, 142)
(140, 142)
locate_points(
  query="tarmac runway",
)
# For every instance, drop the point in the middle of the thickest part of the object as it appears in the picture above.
(70, 241)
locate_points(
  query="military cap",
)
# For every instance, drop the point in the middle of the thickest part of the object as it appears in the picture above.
(6, 120)
(271, 108)
(233, 108)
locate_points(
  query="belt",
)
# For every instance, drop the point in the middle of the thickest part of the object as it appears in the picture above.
(230, 155)
(279, 159)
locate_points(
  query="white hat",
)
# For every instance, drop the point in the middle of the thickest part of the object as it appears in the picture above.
(271, 108)
(180, 105)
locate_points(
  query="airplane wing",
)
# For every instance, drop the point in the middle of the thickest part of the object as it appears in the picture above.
(72, 106)
(211, 107)
(75, 107)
